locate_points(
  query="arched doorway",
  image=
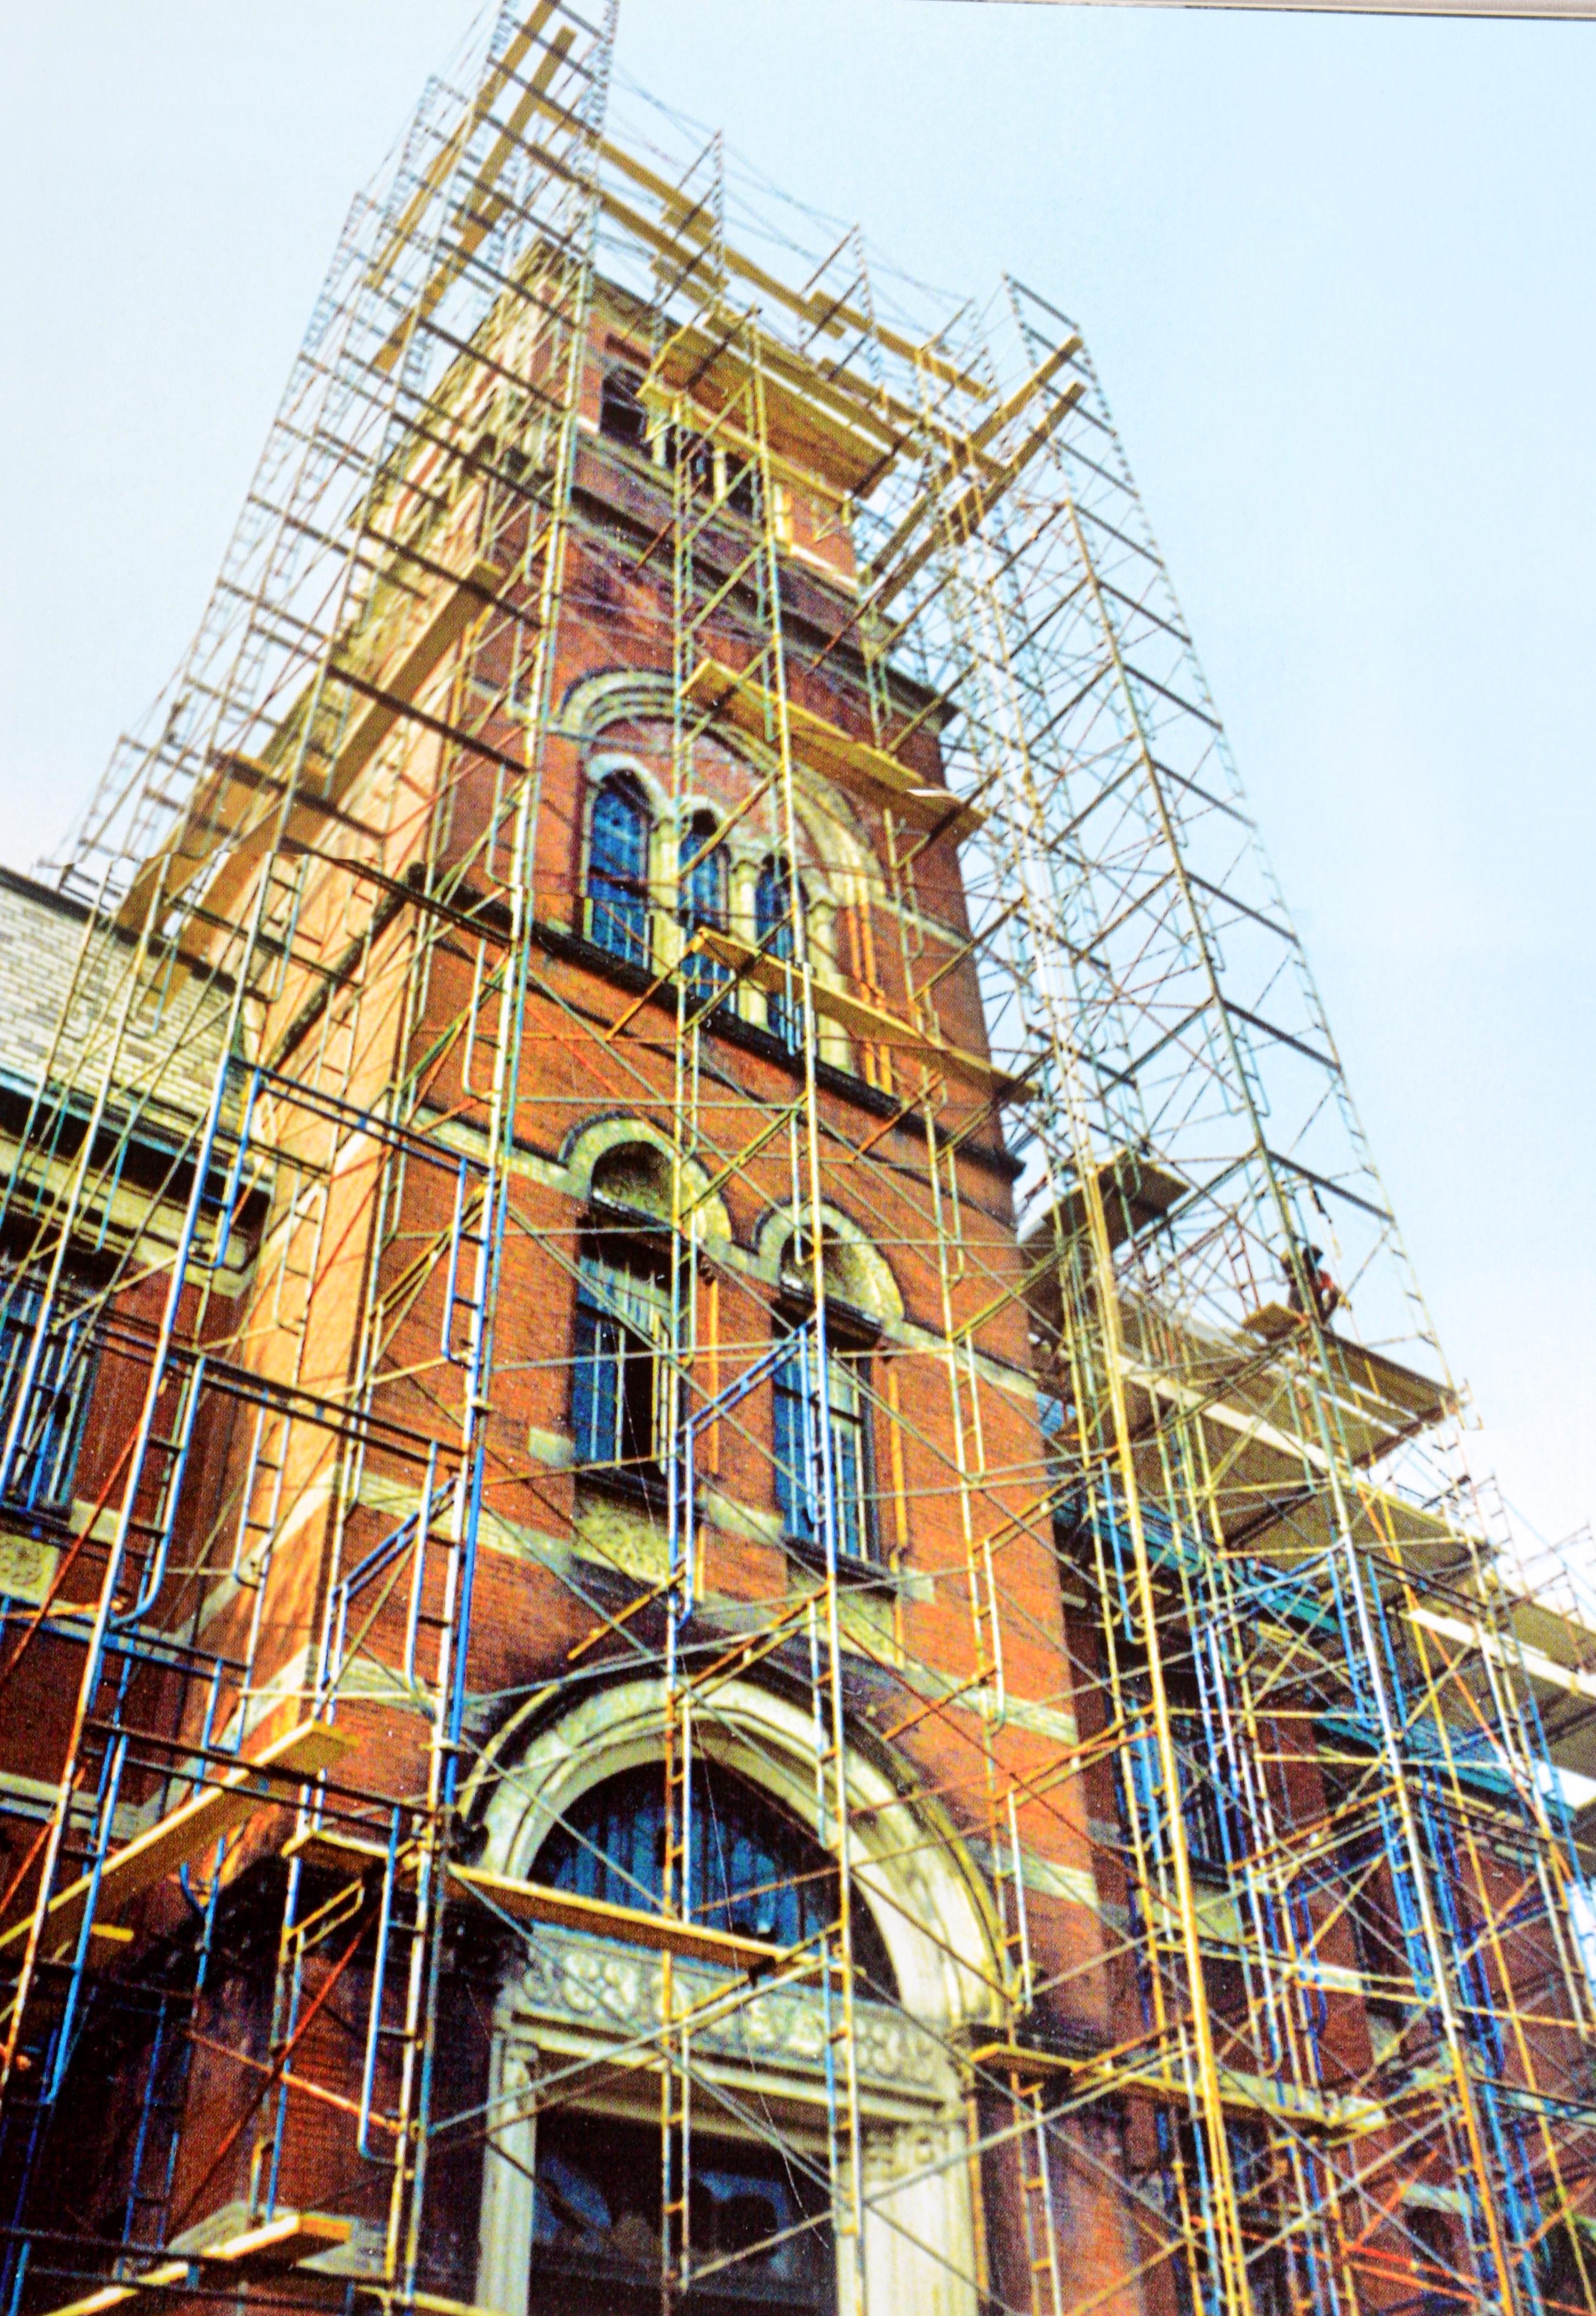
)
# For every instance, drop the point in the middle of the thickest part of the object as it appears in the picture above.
(573, 2190)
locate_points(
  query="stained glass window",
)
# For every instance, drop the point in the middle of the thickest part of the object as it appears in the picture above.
(753, 1868)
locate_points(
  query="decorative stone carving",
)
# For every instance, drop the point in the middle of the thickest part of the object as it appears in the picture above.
(912, 2152)
(578, 1980)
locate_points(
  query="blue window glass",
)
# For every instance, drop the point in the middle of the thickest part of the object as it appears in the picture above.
(752, 1868)
(701, 901)
(621, 1369)
(800, 1466)
(773, 929)
(49, 1434)
(618, 872)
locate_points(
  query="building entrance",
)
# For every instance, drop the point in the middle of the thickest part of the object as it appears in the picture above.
(755, 2226)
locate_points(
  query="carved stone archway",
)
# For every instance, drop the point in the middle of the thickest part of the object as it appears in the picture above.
(577, 1998)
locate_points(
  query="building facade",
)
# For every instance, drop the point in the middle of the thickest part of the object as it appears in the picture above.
(710, 1603)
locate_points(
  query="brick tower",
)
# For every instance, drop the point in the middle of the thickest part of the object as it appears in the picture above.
(710, 1605)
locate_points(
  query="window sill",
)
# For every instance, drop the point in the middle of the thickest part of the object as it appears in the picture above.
(50, 1523)
(853, 1576)
(658, 984)
(645, 1490)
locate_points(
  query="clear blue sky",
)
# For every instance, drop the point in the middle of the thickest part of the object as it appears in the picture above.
(1337, 274)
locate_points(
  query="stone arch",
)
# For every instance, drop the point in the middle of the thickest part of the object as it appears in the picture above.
(935, 1918)
(856, 1270)
(632, 695)
(628, 765)
(599, 1146)
(928, 1898)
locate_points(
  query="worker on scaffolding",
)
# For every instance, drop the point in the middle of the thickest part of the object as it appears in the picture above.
(1311, 1285)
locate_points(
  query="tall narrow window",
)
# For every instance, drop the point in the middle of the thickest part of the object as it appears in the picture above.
(618, 871)
(801, 1467)
(695, 458)
(741, 485)
(1202, 1788)
(774, 929)
(620, 1410)
(54, 1404)
(701, 902)
(621, 414)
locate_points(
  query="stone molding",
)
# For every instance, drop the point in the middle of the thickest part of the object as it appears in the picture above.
(597, 1984)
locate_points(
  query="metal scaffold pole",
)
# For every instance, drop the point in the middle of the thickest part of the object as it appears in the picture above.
(737, 1567)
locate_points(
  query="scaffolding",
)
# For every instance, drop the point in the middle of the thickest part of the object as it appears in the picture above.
(857, 1284)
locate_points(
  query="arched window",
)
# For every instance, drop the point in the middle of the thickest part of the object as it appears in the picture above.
(752, 1868)
(701, 901)
(618, 871)
(774, 929)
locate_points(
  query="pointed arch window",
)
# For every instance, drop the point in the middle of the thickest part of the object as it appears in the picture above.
(701, 902)
(775, 905)
(618, 870)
